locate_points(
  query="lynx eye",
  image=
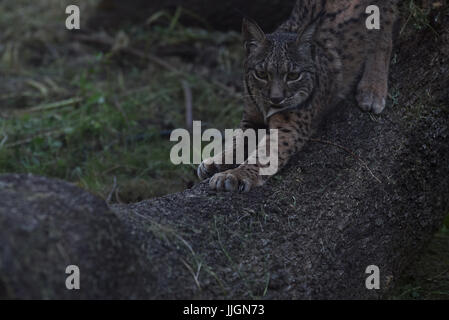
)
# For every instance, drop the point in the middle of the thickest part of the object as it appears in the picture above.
(261, 75)
(250, 45)
(294, 76)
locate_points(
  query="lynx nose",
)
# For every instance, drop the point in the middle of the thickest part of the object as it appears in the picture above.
(276, 101)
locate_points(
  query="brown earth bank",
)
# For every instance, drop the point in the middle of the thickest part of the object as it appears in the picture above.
(369, 190)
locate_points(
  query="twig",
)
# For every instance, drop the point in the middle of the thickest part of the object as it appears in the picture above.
(117, 104)
(117, 197)
(55, 105)
(405, 24)
(39, 86)
(28, 140)
(109, 170)
(195, 276)
(350, 152)
(2, 143)
(189, 104)
(438, 275)
(114, 187)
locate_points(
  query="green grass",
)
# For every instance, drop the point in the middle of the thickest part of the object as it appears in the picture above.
(107, 136)
(120, 128)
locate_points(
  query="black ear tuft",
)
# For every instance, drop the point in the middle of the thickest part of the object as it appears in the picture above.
(306, 34)
(251, 32)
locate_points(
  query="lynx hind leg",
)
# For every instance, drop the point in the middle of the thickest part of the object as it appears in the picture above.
(372, 89)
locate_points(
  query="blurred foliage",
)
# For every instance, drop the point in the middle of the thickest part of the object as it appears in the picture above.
(120, 128)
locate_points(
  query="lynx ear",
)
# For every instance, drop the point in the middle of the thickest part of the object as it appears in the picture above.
(251, 32)
(306, 35)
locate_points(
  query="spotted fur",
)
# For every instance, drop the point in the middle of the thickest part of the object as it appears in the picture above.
(294, 76)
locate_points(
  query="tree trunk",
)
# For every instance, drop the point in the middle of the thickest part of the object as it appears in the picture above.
(367, 191)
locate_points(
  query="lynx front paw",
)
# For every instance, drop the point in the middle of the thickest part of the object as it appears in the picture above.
(234, 180)
(370, 101)
(207, 169)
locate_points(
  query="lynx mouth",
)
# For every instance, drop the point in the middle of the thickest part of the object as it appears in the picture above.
(272, 110)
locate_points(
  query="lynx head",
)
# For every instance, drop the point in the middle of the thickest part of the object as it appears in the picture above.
(279, 67)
